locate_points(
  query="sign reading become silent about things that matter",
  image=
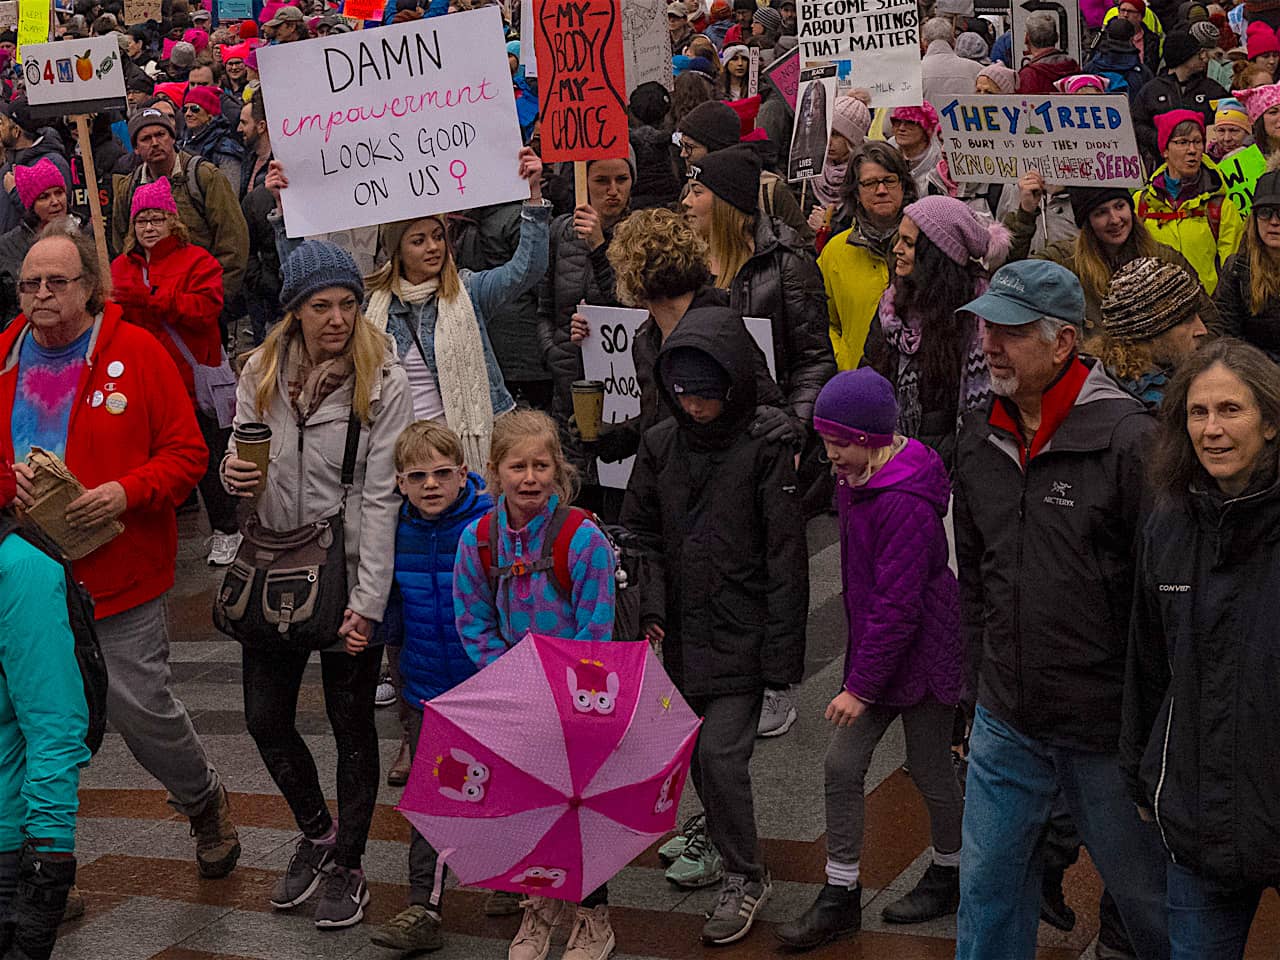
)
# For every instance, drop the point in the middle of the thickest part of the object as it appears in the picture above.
(580, 79)
(880, 37)
(404, 121)
(1079, 141)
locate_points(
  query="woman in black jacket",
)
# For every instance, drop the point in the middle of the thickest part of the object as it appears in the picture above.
(1248, 295)
(1202, 690)
(766, 269)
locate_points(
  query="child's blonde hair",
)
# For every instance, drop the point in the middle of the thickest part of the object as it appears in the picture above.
(418, 441)
(519, 426)
(877, 460)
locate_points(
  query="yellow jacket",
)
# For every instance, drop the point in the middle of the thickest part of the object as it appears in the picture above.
(855, 276)
(1188, 226)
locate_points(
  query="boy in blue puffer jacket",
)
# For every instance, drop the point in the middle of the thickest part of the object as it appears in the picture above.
(441, 499)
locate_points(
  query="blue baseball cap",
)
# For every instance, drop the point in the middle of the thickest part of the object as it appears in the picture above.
(1025, 291)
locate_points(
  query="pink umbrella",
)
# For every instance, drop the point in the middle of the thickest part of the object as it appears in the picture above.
(553, 768)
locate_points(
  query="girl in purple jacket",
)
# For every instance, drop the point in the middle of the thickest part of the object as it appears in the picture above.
(905, 655)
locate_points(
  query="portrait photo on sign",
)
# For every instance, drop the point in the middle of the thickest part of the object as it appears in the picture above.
(815, 105)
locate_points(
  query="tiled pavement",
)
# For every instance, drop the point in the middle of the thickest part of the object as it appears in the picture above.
(146, 900)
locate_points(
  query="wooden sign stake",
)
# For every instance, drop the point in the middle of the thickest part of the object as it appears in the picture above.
(91, 186)
(580, 183)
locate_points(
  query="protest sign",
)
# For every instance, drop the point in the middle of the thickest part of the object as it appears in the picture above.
(8, 14)
(241, 10)
(606, 356)
(753, 73)
(816, 98)
(363, 9)
(1080, 141)
(405, 121)
(140, 11)
(528, 59)
(1240, 171)
(882, 38)
(1066, 12)
(73, 76)
(646, 45)
(581, 83)
(33, 23)
(784, 74)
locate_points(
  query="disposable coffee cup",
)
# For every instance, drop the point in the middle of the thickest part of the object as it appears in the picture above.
(588, 407)
(253, 443)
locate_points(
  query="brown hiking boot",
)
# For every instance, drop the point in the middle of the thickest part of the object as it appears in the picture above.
(74, 909)
(398, 775)
(217, 843)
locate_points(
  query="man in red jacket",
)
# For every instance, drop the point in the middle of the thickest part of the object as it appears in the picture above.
(106, 397)
(1045, 64)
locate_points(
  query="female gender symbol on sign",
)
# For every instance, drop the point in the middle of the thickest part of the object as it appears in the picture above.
(458, 170)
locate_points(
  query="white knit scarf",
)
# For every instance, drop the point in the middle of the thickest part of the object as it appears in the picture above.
(461, 372)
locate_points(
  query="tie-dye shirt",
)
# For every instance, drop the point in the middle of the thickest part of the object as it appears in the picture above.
(47, 381)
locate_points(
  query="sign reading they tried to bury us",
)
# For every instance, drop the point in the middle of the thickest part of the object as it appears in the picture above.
(403, 121)
(1081, 141)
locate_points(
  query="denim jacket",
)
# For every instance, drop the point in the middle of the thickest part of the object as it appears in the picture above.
(488, 289)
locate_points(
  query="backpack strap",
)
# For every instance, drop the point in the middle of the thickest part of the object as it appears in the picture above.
(487, 548)
(571, 520)
(1213, 213)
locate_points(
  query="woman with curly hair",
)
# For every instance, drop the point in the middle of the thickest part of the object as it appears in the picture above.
(1151, 321)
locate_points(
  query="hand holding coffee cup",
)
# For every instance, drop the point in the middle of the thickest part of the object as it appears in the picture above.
(246, 472)
(588, 407)
(243, 477)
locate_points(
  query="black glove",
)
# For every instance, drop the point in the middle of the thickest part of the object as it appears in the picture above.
(776, 426)
(44, 879)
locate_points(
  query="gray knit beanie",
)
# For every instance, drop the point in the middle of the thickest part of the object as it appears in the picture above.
(1147, 297)
(768, 18)
(312, 267)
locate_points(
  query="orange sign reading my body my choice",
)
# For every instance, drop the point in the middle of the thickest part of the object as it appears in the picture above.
(578, 44)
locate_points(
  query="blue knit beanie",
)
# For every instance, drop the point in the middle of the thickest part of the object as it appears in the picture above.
(857, 406)
(315, 265)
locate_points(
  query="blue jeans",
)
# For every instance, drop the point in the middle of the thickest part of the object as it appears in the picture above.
(1208, 918)
(1012, 782)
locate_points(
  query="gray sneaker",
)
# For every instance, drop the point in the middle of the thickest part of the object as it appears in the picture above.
(735, 911)
(777, 713)
(344, 899)
(307, 867)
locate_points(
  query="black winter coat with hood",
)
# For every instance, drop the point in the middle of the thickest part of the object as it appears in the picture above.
(1045, 554)
(782, 282)
(1202, 691)
(720, 512)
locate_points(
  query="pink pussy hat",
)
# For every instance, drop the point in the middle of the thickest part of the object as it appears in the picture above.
(36, 179)
(156, 195)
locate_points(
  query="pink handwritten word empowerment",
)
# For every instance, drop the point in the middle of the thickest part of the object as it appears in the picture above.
(402, 106)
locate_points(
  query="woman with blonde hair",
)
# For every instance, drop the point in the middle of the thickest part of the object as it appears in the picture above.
(1248, 296)
(435, 313)
(324, 377)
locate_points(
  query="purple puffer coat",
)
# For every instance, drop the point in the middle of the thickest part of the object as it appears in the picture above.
(902, 600)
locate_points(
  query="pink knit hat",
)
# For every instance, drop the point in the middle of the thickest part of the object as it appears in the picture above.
(1079, 81)
(851, 119)
(1261, 39)
(924, 115)
(197, 38)
(36, 179)
(956, 230)
(1259, 100)
(1006, 80)
(156, 195)
(206, 98)
(1167, 122)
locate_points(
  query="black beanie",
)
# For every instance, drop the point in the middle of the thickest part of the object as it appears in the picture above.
(1085, 200)
(714, 124)
(1118, 35)
(691, 372)
(732, 174)
(1179, 47)
(650, 102)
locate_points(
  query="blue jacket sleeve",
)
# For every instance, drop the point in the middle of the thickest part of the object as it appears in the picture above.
(44, 686)
(591, 562)
(491, 290)
(474, 607)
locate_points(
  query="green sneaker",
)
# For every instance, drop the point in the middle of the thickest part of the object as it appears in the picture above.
(698, 866)
(670, 851)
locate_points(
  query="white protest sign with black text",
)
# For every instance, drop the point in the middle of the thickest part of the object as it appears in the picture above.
(815, 108)
(73, 76)
(1072, 141)
(646, 44)
(606, 356)
(403, 121)
(880, 37)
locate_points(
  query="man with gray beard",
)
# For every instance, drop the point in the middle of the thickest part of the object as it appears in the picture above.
(1048, 500)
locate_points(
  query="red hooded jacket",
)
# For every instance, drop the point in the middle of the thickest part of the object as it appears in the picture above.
(181, 286)
(152, 447)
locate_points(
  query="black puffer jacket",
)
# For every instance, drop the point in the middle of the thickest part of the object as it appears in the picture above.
(1202, 692)
(720, 512)
(1045, 557)
(782, 282)
(622, 440)
(574, 275)
(1235, 308)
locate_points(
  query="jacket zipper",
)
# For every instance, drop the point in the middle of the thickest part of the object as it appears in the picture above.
(1164, 767)
(1017, 584)
(301, 489)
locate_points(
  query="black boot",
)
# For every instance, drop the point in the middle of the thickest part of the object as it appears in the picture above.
(936, 895)
(1053, 905)
(836, 913)
(43, 882)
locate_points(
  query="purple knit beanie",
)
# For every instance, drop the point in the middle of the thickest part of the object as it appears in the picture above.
(858, 407)
(952, 226)
(36, 179)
